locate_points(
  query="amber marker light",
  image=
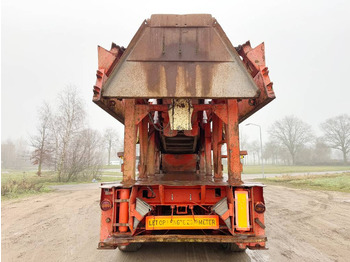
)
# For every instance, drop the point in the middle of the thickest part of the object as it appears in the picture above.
(105, 205)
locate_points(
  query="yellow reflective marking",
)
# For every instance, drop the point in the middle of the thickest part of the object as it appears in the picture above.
(242, 210)
(182, 222)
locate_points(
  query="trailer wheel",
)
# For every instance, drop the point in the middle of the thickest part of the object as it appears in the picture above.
(232, 247)
(132, 247)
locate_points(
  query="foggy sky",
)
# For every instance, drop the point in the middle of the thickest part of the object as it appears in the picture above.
(47, 45)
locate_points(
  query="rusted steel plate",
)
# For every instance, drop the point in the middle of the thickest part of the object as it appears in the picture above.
(113, 107)
(254, 59)
(179, 80)
(167, 62)
(180, 44)
(186, 238)
(178, 180)
(179, 162)
(193, 20)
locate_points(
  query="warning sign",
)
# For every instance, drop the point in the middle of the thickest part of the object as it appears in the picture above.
(182, 222)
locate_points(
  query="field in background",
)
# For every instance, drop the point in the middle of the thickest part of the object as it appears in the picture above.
(111, 167)
(332, 182)
(270, 169)
(16, 183)
(24, 183)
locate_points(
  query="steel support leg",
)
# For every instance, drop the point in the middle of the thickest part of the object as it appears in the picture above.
(234, 166)
(129, 141)
(143, 133)
(208, 169)
(151, 154)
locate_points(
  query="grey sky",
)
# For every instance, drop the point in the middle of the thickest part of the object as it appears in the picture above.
(46, 45)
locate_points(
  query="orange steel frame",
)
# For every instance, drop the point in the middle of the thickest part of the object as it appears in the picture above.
(221, 127)
(225, 118)
(117, 223)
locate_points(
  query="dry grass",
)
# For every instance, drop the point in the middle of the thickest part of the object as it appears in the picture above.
(277, 169)
(15, 183)
(332, 182)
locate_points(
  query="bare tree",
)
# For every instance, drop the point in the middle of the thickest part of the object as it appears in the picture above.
(62, 139)
(70, 121)
(243, 140)
(253, 149)
(321, 152)
(292, 133)
(8, 154)
(15, 154)
(54, 126)
(84, 159)
(243, 144)
(272, 151)
(40, 142)
(337, 133)
(94, 153)
(111, 139)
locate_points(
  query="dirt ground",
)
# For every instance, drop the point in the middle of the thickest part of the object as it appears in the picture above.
(302, 225)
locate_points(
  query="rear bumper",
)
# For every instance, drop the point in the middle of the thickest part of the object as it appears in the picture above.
(254, 242)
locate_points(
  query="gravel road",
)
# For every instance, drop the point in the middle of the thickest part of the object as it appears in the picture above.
(302, 225)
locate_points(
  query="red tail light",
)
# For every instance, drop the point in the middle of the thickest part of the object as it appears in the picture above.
(259, 207)
(106, 205)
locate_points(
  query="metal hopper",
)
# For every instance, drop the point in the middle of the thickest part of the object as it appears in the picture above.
(180, 56)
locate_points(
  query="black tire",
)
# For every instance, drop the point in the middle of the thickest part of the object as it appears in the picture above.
(232, 247)
(132, 247)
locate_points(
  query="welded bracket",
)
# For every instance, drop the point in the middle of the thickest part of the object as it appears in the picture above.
(221, 111)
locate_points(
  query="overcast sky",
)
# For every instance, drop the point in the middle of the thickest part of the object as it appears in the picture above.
(47, 45)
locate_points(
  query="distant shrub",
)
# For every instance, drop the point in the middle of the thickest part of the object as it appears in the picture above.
(23, 185)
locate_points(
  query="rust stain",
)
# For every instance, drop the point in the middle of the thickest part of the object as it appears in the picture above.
(190, 79)
(183, 238)
(172, 62)
(170, 78)
(207, 78)
(153, 76)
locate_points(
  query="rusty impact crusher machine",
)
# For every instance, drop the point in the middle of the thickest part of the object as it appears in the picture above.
(181, 89)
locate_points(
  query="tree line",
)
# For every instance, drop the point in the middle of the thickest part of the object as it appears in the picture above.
(293, 141)
(63, 141)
